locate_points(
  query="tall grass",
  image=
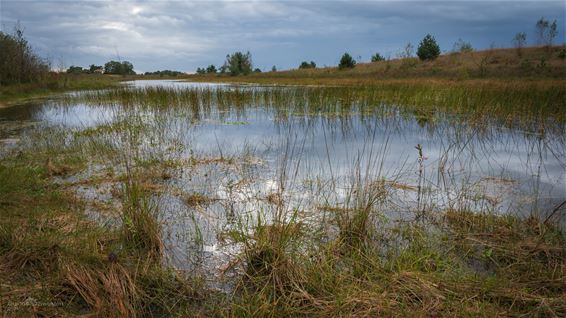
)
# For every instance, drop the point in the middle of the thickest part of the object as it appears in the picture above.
(533, 106)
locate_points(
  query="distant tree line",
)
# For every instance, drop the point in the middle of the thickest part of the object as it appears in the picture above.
(111, 67)
(18, 63)
(211, 69)
(93, 69)
(165, 73)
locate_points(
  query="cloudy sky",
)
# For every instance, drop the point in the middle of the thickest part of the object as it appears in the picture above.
(184, 35)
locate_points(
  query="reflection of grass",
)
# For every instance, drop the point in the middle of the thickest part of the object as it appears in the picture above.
(236, 123)
(197, 200)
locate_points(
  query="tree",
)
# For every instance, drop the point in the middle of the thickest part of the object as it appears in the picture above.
(377, 57)
(239, 63)
(407, 51)
(428, 48)
(119, 68)
(211, 69)
(552, 32)
(307, 65)
(95, 68)
(257, 70)
(274, 69)
(519, 41)
(545, 31)
(75, 70)
(18, 62)
(346, 62)
(462, 46)
(201, 71)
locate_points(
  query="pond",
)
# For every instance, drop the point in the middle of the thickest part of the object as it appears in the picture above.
(238, 155)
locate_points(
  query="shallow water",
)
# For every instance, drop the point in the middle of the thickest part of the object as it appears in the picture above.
(312, 160)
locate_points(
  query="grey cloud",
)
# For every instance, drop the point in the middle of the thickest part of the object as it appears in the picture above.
(187, 34)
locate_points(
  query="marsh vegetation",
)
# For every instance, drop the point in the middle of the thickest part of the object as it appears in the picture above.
(165, 198)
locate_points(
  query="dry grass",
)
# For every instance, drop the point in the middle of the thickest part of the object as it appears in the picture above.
(494, 64)
(53, 262)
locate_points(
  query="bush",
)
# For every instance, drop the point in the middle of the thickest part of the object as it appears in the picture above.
(211, 69)
(377, 57)
(462, 46)
(347, 61)
(519, 42)
(428, 48)
(75, 70)
(562, 54)
(306, 65)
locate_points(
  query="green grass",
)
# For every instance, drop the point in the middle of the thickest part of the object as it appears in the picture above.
(56, 84)
(527, 104)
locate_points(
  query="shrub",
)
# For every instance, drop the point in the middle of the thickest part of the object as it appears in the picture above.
(562, 54)
(347, 61)
(519, 41)
(211, 69)
(428, 48)
(75, 70)
(377, 57)
(546, 31)
(306, 65)
(462, 46)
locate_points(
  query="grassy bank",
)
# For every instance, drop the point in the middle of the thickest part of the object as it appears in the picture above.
(60, 83)
(56, 84)
(533, 63)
